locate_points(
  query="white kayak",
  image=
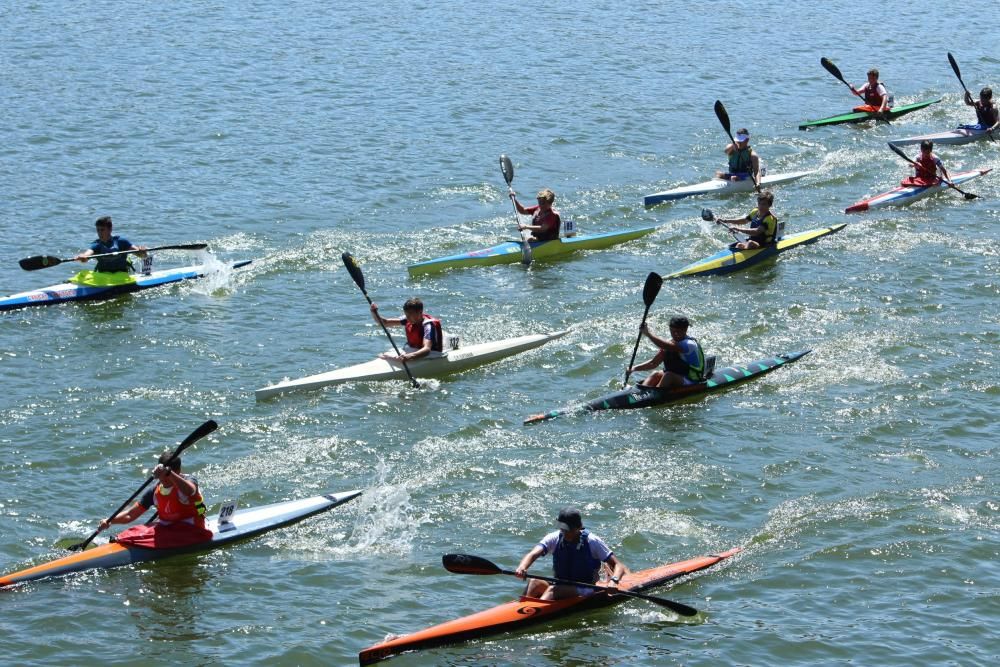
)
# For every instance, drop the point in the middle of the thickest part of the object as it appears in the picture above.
(717, 186)
(907, 194)
(956, 137)
(451, 361)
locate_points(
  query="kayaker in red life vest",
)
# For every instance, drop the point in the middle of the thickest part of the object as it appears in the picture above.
(545, 220)
(577, 555)
(179, 504)
(874, 93)
(682, 357)
(987, 114)
(927, 165)
(743, 160)
(763, 229)
(423, 332)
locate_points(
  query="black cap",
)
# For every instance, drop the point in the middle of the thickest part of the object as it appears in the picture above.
(569, 518)
(680, 321)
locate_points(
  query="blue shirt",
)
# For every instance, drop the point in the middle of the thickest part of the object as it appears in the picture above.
(116, 263)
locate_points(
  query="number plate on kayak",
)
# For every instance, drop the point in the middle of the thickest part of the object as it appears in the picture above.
(226, 513)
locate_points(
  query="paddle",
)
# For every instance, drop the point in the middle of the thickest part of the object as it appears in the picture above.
(195, 436)
(507, 167)
(708, 216)
(45, 261)
(900, 153)
(954, 66)
(359, 278)
(466, 564)
(835, 71)
(649, 292)
(723, 116)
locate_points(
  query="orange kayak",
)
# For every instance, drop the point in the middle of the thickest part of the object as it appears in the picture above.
(527, 611)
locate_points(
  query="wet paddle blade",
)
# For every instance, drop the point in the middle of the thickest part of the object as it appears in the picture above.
(723, 115)
(832, 69)
(39, 262)
(707, 215)
(507, 167)
(354, 270)
(466, 564)
(652, 287)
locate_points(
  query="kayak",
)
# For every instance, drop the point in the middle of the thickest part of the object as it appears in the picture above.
(526, 611)
(509, 252)
(729, 260)
(907, 194)
(92, 286)
(645, 397)
(241, 525)
(956, 137)
(718, 186)
(861, 116)
(451, 361)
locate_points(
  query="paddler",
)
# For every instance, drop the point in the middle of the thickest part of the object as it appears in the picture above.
(180, 507)
(743, 160)
(545, 220)
(926, 166)
(874, 93)
(577, 555)
(682, 357)
(987, 114)
(423, 332)
(763, 224)
(106, 243)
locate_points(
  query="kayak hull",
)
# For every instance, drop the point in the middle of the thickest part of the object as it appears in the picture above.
(645, 397)
(243, 524)
(729, 260)
(452, 361)
(907, 194)
(64, 292)
(510, 251)
(862, 116)
(956, 137)
(525, 611)
(717, 186)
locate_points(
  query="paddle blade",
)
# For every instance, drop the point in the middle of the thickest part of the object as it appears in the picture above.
(39, 262)
(707, 215)
(954, 66)
(832, 69)
(652, 287)
(354, 270)
(195, 436)
(900, 153)
(466, 564)
(723, 115)
(507, 167)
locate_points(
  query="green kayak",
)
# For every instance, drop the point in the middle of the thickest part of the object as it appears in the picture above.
(861, 116)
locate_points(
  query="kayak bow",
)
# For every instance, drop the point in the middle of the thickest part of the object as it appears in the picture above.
(907, 194)
(717, 186)
(243, 524)
(510, 251)
(861, 116)
(646, 397)
(527, 611)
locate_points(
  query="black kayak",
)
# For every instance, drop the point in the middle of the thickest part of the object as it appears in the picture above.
(646, 397)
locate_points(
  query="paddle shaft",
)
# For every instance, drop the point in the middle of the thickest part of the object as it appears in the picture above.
(835, 71)
(723, 116)
(45, 261)
(958, 73)
(635, 349)
(900, 153)
(507, 169)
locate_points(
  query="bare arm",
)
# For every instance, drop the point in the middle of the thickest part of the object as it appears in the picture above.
(526, 562)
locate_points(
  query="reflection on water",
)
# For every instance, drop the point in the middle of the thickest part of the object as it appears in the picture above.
(169, 605)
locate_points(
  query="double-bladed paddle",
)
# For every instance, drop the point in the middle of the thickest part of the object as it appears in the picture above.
(835, 71)
(467, 564)
(723, 115)
(649, 292)
(507, 168)
(195, 436)
(359, 278)
(708, 216)
(45, 261)
(900, 153)
(954, 67)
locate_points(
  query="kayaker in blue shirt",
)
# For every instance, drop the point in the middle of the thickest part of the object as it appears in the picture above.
(763, 224)
(423, 332)
(987, 114)
(682, 357)
(107, 243)
(743, 160)
(577, 555)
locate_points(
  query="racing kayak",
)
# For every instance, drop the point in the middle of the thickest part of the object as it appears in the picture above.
(718, 186)
(509, 252)
(91, 286)
(241, 525)
(907, 194)
(646, 397)
(729, 260)
(526, 611)
(956, 137)
(451, 361)
(861, 116)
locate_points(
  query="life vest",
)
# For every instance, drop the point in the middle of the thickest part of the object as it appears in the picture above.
(110, 264)
(675, 364)
(172, 509)
(872, 97)
(927, 168)
(415, 333)
(770, 232)
(740, 161)
(551, 223)
(573, 560)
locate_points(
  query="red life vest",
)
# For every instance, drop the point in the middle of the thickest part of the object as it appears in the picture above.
(927, 168)
(172, 509)
(551, 224)
(872, 97)
(415, 333)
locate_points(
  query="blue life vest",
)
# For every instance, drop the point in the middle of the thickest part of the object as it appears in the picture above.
(115, 263)
(572, 560)
(675, 363)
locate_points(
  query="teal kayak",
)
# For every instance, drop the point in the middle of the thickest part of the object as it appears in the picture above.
(861, 116)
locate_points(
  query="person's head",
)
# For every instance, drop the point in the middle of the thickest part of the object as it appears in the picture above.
(165, 460)
(926, 146)
(413, 309)
(986, 94)
(569, 521)
(765, 199)
(103, 227)
(679, 327)
(873, 75)
(742, 135)
(546, 197)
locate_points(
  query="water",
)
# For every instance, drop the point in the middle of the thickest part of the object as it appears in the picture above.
(861, 481)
